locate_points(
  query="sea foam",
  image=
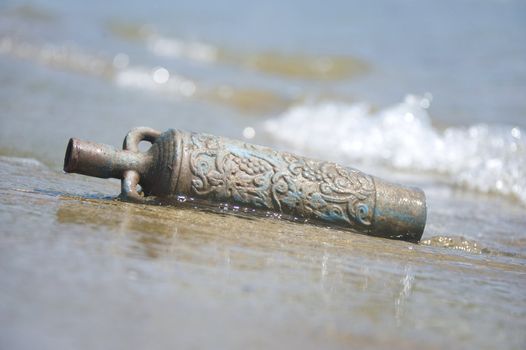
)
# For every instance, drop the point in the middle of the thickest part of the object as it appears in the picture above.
(487, 158)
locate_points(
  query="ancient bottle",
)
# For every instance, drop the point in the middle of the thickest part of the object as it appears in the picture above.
(222, 170)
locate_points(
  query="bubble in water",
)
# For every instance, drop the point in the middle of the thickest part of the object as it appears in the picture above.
(249, 132)
(160, 75)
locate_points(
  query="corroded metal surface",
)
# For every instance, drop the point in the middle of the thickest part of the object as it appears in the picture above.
(222, 170)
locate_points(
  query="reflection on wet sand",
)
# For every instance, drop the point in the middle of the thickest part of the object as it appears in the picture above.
(199, 225)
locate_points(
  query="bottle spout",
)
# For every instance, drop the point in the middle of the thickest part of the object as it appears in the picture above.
(99, 160)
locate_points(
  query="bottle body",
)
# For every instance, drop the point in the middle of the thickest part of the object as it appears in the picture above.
(223, 170)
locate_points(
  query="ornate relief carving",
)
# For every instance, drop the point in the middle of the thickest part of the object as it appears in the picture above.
(233, 171)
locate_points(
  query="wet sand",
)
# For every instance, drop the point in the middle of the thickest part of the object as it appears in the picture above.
(82, 269)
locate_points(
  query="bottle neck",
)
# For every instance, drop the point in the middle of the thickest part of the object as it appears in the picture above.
(104, 161)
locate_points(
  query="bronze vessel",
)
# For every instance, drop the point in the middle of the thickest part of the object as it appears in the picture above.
(222, 170)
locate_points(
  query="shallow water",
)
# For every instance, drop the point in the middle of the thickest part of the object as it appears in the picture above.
(75, 263)
(80, 269)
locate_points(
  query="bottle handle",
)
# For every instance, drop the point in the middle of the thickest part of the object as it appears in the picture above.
(131, 178)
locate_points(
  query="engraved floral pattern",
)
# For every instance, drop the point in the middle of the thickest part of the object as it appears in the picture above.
(233, 171)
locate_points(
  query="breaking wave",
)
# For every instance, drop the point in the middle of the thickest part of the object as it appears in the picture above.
(487, 158)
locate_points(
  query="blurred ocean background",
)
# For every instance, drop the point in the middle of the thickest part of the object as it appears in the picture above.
(428, 93)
